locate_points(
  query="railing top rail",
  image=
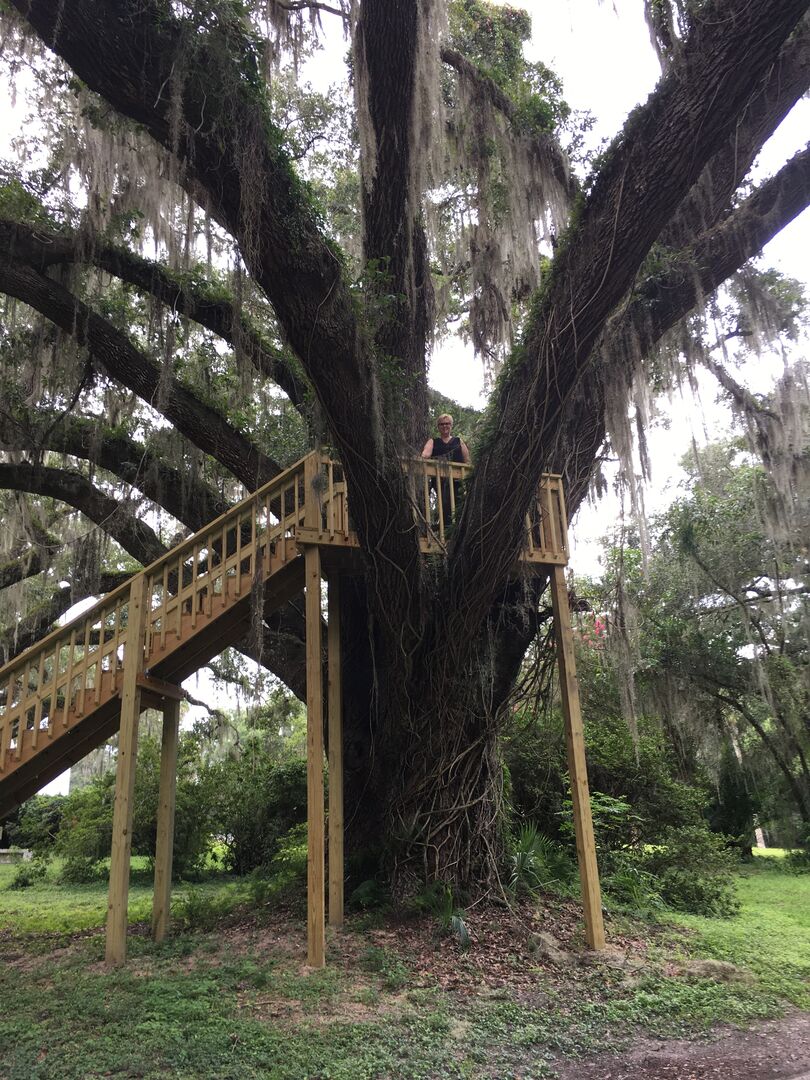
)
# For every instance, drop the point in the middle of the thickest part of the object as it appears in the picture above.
(111, 597)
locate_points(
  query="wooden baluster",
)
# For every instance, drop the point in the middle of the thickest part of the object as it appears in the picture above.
(223, 572)
(38, 701)
(119, 630)
(440, 501)
(426, 499)
(69, 684)
(85, 666)
(552, 543)
(210, 540)
(164, 605)
(5, 727)
(562, 516)
(99, 657)
(195, 557)
(178, 629)
(239, 555)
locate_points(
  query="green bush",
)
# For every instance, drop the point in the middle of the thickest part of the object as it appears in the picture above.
(638, 775)
(694, 870)
(37, 823)
(616, 825)
(200, 911)
(288, 866)
(83, 870)
(626, 883)
(256, 802)
(537, 863)
(85, 832)
(27, 874)
(194, 801)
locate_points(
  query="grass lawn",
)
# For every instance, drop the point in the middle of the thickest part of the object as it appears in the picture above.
(397, 999)
(771, 935)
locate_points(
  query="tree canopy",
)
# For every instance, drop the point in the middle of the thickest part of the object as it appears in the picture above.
(303, 249)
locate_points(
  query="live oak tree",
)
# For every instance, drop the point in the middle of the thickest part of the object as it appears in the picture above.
(170, 98)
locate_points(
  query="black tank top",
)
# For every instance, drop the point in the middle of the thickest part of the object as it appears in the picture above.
(451, 449)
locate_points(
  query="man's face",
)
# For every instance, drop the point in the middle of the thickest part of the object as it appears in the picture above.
(445, 427)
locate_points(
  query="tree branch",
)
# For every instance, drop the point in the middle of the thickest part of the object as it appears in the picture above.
(41, 248)
(39, 622)
(190, 500)
(109, 513)
(546, 147)
(129, 365)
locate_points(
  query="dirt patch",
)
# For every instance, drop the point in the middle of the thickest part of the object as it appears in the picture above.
(773, 1050)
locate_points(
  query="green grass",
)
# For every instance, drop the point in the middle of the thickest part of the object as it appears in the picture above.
(50, 907)
(234, 1001)
(770, 937)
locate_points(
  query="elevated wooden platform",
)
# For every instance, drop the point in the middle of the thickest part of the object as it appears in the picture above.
(88, 679)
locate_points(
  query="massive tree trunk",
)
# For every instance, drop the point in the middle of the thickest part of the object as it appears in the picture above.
(431, 647)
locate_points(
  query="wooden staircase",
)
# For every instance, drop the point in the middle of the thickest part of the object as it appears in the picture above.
(61, 698)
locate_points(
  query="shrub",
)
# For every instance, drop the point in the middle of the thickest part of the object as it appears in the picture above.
(694, 871)
(257, 802)
(289, 864)
(631, 886)
(616, 825)
(83, 870)
(198, 910)
(37, 823)
(638, 774)
(536, 863)
(27, 874)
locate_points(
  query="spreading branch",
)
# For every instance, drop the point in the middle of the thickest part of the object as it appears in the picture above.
(187, 498)
(113, 516)
(42, 248)
(124, 362)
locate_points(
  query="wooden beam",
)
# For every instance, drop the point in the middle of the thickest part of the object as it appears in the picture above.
(575, 740)
(334, 704)
(161, 904)
(116, 945)
(161, 688)
(316, 941)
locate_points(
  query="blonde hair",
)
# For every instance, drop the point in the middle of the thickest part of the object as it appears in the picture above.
(444, 416)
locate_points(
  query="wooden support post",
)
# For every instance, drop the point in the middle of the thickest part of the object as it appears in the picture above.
(334, 703)
(161, 904)
(316, 941)
(580, 796)
(116, 951)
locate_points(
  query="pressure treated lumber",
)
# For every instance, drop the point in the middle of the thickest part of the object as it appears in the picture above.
(316, 941)
(575, 742)
(116, 944)
(164, 849)
(334, 706)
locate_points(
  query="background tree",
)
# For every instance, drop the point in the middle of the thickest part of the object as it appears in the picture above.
(711, 636)
(163, 117)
